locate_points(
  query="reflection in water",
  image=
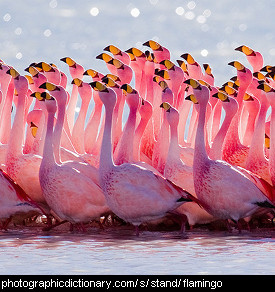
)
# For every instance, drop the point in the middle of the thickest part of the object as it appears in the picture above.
(121, 252)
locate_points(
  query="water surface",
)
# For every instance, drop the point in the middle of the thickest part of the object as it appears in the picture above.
(119, 251)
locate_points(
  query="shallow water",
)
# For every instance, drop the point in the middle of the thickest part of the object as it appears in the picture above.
(119, 251)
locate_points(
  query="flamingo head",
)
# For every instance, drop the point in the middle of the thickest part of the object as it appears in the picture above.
(106, 94)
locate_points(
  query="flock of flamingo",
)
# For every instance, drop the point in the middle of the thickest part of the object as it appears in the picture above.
(189, 150)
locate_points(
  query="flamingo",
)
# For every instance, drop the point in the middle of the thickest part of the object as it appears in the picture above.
(72, 195)
(133, 193)
(76, 71)
(233, 151)
(124, 150)
(118, 54)
(256, 159)
(176, 75)
(193, 67)
(22, 168)
(216, 181)
(162, 145)
(139, 70)
(67, 151)
(180, 173)
(255, 59)
(145, 111)
(36, 121)
(14, 201)
(108, 61)
(270, 94)
(160, 52)
(230, 106)
(78, 132)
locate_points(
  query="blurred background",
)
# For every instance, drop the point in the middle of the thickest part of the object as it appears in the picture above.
(47, 30)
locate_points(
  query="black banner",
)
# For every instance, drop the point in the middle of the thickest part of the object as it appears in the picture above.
(110, 282)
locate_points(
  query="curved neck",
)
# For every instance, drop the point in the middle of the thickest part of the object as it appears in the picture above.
(137, 138)
(257, 143)
(216, 148)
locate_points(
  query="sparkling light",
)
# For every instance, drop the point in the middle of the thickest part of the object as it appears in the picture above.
(190, 15)
(19, 56)
(7, 17)
(242, 27)
(204, 52)
(191, 4)
(206, 12)
(201, 19)
(53, 4)
(135, 12)
(47, 33)
(94, 11)
(180, 10)
(18, 31)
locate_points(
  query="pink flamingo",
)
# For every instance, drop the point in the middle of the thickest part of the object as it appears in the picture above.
(139, 70)
(92, 127)
(66, 151)
(230, 106)
(5, 82)
(181, 174)
(76, 71)
(78, 132)
(108, 61)
(208, 76)
(145, 111)
(118, 54)
(255, 59)
(162, 145)
(36, 120)
(94, 74)
(233, 151)
(14, 201)
(52, 73)
(22, 168)
(256, 160)
(160, 52)
(124, 150)
(127, 150)
(176, 75)
(217, 182)
(133, 193)
(123, 71)
(193, 67)
(270, 94)
(71, 194)
(252, 105)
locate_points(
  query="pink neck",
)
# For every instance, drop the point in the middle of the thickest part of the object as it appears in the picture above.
(106, 157)
(200, 155)
(48, 155)
(17, 131)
